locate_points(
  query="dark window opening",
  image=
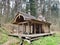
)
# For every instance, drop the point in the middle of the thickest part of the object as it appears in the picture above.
(37, 29)
(20, 19)
(33, 28)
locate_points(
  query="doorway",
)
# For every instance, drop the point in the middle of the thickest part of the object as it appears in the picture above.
(39, 28)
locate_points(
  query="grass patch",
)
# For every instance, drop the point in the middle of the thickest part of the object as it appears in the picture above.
(3, 38)
(15, 40)
(13, 44)
(26, 43)
(49, 40)
(2, 30)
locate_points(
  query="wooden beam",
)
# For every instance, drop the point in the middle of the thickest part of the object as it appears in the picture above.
(22, 23)
(24, 28)
(34, 28)
(40, 28)
(33, 35)
(18, 30)
(39, 22)
(16, 18)
(29, 25)
(31, 29)
(37, 35)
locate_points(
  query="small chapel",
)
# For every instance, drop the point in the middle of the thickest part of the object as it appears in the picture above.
(28, 24)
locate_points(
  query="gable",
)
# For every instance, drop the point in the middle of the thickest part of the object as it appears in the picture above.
(20, 17)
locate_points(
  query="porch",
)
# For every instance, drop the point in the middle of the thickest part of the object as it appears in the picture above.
(32, 36)
(28, 27)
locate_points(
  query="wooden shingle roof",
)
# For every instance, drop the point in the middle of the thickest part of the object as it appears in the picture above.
(21, 17)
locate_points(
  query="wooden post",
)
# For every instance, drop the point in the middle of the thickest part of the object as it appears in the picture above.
(31, 29)
(40, 28)
(49, 28)
(23, 28)
(18, 30)
(29, 25)
(34, 28)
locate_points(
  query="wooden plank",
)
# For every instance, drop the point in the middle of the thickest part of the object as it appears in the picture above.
(36, 35)
(33, 36)
(34, 39)
(31, 29)
(29, 26)
(20, 23)
(38, 22)
(25, 28)
(34, 28)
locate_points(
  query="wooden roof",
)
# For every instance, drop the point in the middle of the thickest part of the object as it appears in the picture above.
(34, 21)
(25, 16)
(29, 18)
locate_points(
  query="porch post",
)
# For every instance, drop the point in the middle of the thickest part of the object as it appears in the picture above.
(18, 30)
(29, 26)
(34, 28)
(31, 29)
(40, 29)
(23, 28)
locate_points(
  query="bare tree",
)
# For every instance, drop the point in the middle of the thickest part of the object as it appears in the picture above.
(0, 11)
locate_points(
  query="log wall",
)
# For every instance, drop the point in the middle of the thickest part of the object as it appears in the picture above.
(45, 28)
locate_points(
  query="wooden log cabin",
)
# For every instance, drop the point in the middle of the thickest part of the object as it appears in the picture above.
(28, 24)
